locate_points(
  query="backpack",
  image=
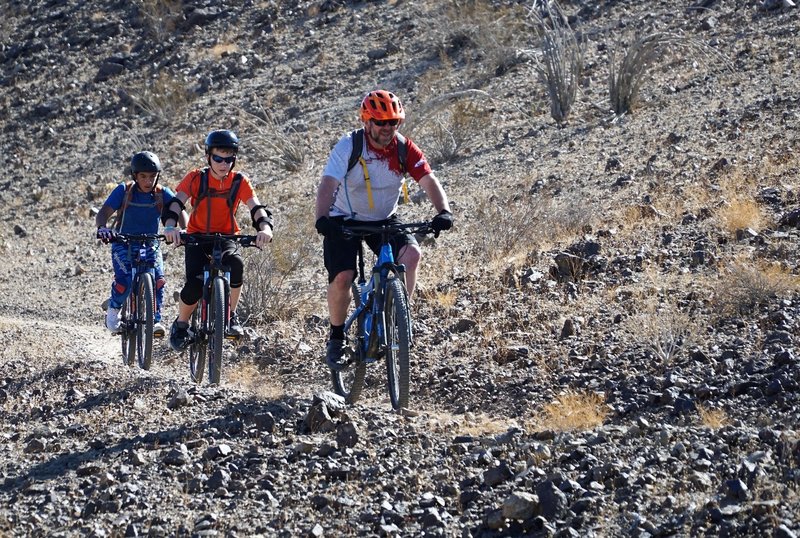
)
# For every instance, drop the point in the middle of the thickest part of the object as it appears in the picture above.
(229, 195)
(358, 149)
(158, 194)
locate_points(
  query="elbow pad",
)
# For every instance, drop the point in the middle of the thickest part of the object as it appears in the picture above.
(267, 219)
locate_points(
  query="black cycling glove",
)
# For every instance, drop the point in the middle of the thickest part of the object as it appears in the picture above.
(325, 226)
(442, 221)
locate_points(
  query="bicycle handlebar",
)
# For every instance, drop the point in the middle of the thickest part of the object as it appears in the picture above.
(129, 238)
(202, 239)
(363, 230)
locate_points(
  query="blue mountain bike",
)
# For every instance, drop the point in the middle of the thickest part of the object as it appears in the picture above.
(378, 325)
(137, 313)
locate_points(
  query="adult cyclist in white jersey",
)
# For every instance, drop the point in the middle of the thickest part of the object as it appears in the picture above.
(368, 193)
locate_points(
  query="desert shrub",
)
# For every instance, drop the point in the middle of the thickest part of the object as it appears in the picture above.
(574, 410)
(490, 30)
(270, 141)
(276, 285)
(520, 224)
(625, 79)
(160, 16)
(509, 225)
(162, 99)
(561, 60)
(663, 328)
(450, 131)
(745, 285)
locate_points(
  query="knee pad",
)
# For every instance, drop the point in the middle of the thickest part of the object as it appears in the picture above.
(161, 282)
(119, 287)
(191, 294)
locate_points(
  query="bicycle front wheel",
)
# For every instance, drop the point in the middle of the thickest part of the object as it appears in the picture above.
(349, 382)
(217, 316)
(197, 349)
(398, 336)
(144, 320)
(127, 334)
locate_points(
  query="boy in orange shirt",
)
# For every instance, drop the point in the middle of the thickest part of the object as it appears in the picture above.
(213, 211)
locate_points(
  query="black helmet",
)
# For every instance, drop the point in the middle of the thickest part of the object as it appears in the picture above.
(222, 138)
(145, 161)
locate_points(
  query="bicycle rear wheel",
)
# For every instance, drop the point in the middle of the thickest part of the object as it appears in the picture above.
(349, 383)
(144, 321)
(398, 336)
(197, 349)
(217, 315)
(127, 334)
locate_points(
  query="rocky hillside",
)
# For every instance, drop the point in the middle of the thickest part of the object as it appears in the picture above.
(606, 342)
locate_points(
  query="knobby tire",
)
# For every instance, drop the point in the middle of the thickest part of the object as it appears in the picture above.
(127, 334)
(217, 315)
(144, 321)
(349, 383)
(197, 349)
(398, 337)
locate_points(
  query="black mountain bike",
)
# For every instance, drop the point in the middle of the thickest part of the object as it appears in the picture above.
(210, 320)
(379, 323)
(138, 311)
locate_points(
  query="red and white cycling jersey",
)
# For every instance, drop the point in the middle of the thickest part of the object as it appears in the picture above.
(386, 179)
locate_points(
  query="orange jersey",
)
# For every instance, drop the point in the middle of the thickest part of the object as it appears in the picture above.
(212, 214)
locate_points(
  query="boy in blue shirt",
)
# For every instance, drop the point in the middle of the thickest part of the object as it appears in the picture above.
(138, 204)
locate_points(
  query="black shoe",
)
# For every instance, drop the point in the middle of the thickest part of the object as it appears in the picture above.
(335, 357)
(234, 327)
(179, 336)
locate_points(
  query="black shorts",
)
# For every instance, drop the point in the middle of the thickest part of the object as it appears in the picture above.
(198, 256)
(341, 253)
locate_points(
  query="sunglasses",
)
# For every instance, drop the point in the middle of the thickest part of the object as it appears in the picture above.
(381, 123)
(219, 159)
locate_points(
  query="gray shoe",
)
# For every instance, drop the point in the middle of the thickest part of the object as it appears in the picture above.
(178, 337)
(335, 357)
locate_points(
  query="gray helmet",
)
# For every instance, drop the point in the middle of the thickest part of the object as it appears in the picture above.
(222, 138)
(145, 161)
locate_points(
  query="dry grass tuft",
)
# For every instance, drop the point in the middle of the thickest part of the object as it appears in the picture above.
(745, 285)
(491, 29)
(472, 424)
(454, 129)
(162, 99)
(516, 226)
(741, 214)
(271, 141)
(574, 411)
(712, 418)
(561, 62)
(223, 49)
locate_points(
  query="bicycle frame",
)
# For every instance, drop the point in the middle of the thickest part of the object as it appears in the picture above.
(379, 326)
(137, 312)
(210, 271)
(139, 265)
(374, 338)
(209, 329)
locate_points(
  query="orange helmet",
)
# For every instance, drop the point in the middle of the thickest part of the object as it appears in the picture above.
(382, 105)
